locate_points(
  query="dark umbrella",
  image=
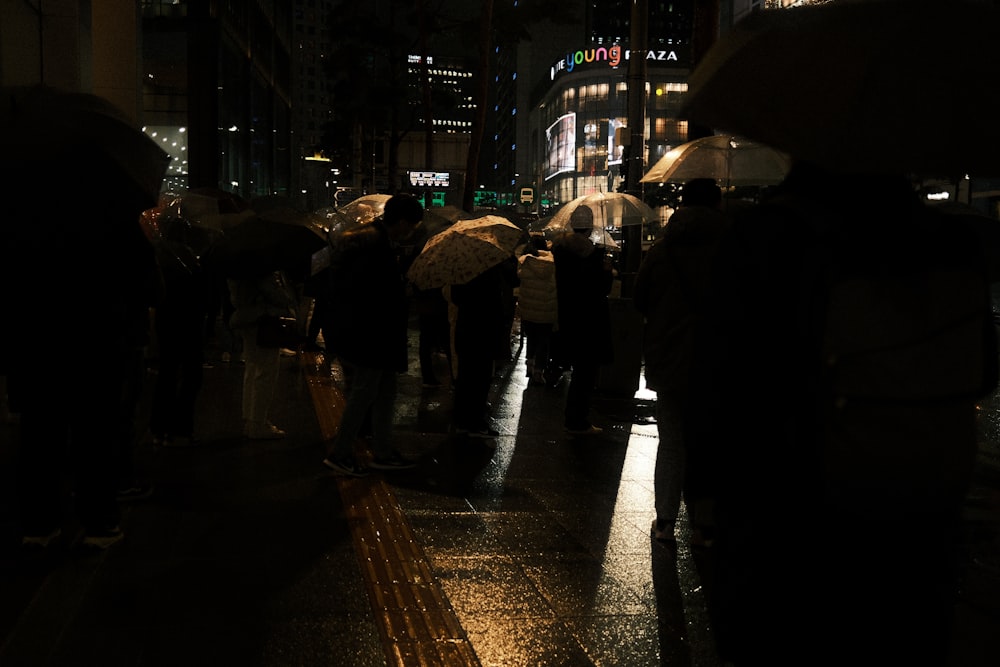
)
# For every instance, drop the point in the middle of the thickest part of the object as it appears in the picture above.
(274, 240)
(878, 86)
(82, 143)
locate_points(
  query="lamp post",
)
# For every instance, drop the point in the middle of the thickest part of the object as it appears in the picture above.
(636, 79)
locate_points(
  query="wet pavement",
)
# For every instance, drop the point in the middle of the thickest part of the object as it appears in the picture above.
(530, 550)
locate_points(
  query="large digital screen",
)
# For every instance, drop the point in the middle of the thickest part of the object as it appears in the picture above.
(560, 141)
(429, 179)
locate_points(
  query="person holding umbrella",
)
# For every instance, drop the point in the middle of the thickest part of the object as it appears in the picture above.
(848, 337)
(369, 336)
(584, 277)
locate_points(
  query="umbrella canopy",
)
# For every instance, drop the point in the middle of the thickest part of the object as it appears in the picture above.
(277, 239)
(463, 251)
(728, 159)
(875, 86)
(361, 210)
(609, 209)
(80, 141)
(598, 235)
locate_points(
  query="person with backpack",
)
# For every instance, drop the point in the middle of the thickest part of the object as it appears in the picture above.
(847, 340)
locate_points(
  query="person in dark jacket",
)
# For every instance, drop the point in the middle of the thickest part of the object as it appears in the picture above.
(670, 291)
(482, 336)
(584, 276)
(369, 334)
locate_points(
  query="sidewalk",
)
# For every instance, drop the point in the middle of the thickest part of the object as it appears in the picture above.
(535, 551)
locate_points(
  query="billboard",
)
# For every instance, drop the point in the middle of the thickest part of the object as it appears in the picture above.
(560, 146)
(429, 179)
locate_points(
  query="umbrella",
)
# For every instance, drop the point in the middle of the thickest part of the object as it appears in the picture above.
(598, 235)
(208, 208)
(609, 209)
(728, 159)
(82, 141)
(464, 250)
(278, 239)
(361, 210)
(877, 86)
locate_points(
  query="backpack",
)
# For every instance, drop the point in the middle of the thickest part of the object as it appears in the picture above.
(907, 348)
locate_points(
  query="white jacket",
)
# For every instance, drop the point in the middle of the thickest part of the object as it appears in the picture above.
(536, 300)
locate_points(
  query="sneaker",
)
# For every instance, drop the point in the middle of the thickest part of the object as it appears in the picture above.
(346, 467)
(663, 532)
(104, 538)
(135, 491)
(265, 432)
(485, 432)
(41, 541)
(587, 430)
(394, 461)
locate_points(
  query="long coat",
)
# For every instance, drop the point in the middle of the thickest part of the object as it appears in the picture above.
(369, 293)
(583, 282)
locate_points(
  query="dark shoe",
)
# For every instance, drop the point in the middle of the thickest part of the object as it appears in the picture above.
(484, 432)
(663, 532)
(346, 467)
(394, 461)
(103, 538)
(135, 491)
(586, 430)
(266, 431)
(41, 541)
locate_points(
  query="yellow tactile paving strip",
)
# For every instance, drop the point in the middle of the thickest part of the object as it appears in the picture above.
(418, 625)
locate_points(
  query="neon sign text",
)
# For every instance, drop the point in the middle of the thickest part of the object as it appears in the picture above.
(613, 56)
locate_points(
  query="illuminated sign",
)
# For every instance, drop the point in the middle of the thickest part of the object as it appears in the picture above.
(613, 56)
(429, 179)
(560, 140)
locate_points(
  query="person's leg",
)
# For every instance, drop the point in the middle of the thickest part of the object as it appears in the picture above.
(259, 381)
(668, 472)
(94, 455)
(168, 371)
(133, 374)
(426, 349)
(362, 391)
(383, 412)
(472, 388)
(191, 380)
(578, 396)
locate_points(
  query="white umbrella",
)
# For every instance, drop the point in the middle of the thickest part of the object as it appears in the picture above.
(609, 209)
(728, 159)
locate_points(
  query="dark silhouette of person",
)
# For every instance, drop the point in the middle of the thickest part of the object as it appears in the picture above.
(482, 336)
(179, 322)
(69, 451)
(584, 276)
(670, 291)
(147, 292)
(838, 504)
(435, 332)
(369, 336)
